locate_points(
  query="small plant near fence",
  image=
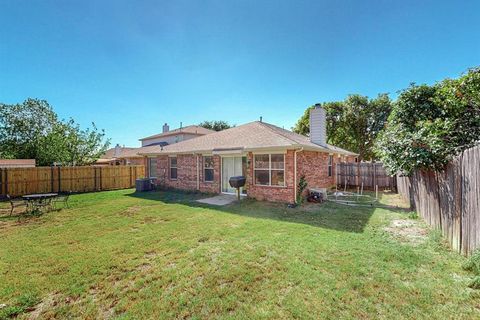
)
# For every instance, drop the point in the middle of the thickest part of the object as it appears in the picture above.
(302, 185)
(413, 215)
(473, 265)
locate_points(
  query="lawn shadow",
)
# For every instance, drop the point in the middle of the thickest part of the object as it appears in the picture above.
(327, 215)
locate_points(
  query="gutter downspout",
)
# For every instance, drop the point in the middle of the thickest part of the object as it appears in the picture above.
(295, 173)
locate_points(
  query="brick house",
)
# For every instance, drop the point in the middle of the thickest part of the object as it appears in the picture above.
(121, 156)
(271, 158)
(129, 156)
(168, 136)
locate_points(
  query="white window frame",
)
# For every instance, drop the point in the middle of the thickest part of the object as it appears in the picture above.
(170, 167)
(205, 169)
(330, 165)
(270, 169)
(150, 167)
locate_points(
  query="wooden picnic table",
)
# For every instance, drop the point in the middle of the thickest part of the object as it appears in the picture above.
(38, 201)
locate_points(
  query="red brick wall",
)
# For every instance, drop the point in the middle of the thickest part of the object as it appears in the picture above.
(277, 194)
(314, 165)
(215, 186)
(187, 173)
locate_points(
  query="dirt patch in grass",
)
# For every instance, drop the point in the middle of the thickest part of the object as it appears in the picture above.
(48, 303)
(105, 310)
(394, 200)
(150, 255)
(130, 211)
(144, 267)
(408, 231)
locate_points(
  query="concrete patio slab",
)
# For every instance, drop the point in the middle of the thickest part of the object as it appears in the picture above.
(220, 200)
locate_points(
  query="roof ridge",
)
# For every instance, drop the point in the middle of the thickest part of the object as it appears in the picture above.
(269, 126)
(178, 131)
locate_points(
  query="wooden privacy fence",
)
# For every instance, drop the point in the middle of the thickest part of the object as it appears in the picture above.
(20, 181)
(366, 173)
(449, 200)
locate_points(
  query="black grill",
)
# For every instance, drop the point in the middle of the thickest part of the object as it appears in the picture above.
(237, 182)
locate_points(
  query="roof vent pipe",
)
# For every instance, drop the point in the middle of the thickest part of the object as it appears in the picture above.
(166, 128)
(318, 125)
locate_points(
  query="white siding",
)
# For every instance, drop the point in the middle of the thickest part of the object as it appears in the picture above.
(318, 126)
(169, 139)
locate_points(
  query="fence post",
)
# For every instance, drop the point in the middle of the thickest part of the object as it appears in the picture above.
(59, 180)
(458, 222)
(6, 180)
(358, 173)
(101, 178)
(51, 179)
(131, 183)
(1, 181)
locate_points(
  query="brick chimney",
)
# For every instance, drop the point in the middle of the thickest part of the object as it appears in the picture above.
(166, 128)
(318, 125)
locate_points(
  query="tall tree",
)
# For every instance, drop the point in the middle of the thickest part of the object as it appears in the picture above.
(429, 125)
(22, 126)
(216, 125)
(32, 130)
(352, 124)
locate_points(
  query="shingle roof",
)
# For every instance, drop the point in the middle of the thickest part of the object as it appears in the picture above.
(248, 137)
(188, 129)
(125, 152)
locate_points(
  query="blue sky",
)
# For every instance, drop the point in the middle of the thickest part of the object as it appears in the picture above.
(130, 66)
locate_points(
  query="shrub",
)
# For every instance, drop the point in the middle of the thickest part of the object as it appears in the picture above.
(475, 283)
(302, 185)
(429, 125)
(413, 215)
(473, 263)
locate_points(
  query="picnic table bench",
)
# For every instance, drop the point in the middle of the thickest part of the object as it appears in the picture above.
(36, 203)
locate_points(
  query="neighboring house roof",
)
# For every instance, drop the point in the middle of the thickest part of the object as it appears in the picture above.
(124, 153)
(188, 129)
(248, 137)
(17, 163)
(161, 144)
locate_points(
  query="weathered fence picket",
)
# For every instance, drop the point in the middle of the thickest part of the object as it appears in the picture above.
(449, 200)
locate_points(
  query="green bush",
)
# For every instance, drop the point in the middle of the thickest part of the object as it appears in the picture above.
(413, 215)
(302, 185)
(473, 263)
(429, 125)
(475, 283)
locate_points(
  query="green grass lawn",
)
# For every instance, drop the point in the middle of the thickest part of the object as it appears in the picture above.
(161, 255)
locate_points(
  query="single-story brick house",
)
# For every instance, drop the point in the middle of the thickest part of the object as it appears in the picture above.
(271, 158)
